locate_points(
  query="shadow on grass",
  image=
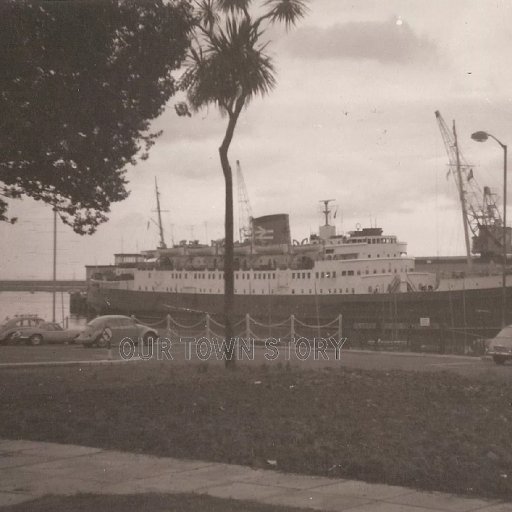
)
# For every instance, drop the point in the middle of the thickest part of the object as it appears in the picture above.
(138, 502)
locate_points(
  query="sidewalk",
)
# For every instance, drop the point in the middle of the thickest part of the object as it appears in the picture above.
(29, 470)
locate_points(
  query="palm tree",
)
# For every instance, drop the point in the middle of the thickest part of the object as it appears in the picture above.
(227, 67)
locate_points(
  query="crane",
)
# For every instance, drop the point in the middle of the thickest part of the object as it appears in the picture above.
(159, 211)
(244, 207)
(480, 215)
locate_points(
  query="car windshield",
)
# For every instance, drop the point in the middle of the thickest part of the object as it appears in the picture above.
(505, 333)
(94, 323)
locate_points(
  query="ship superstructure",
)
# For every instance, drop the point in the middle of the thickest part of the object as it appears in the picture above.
(363, 261)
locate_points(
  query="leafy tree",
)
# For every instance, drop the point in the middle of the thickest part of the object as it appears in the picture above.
(228, 66)
(80, 82)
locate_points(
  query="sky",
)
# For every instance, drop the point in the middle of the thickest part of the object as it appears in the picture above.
(351, 119)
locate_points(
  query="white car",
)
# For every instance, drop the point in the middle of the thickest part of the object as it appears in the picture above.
(500, 347)
(108, 330)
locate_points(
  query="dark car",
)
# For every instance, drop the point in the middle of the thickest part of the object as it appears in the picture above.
(11, 328)
(47, 332)
(500, 347)
(112, 329)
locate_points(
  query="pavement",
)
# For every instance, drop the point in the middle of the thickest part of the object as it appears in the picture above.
(29, 470)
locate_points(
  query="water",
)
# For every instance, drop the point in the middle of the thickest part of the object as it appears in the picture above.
(39, 303)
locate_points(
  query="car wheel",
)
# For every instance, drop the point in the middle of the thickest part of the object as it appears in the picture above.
(104, 338)
(35, 339)
(149, 337)
(499, 359)
(10, 339)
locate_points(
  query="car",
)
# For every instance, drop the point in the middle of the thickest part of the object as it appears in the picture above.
(500, 347)
(10, 328)
(107, 330)
(47, 332)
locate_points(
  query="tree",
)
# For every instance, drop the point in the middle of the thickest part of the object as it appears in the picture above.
(228, 66)
(80, 82)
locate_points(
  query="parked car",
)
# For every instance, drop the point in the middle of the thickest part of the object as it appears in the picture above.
(500, 347)
(47, 332)
(10, 328)
(112, 329)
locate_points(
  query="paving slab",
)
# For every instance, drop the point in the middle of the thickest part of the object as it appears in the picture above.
(17, 479)
(29, 469)
(440, 501)
(59, 451)
(213, 473)
(381, 506)
(19, 459)
(499, 507)
(313, 500)
(363, 490)
(164, 483)
(102, 469)
(290, 480)
(244, 491)
(25, 482)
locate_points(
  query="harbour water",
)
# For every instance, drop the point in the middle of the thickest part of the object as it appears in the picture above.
(39, 303)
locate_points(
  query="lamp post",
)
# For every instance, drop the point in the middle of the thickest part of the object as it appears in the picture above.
(482, 137)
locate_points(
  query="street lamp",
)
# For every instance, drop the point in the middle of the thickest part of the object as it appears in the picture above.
(482, 137)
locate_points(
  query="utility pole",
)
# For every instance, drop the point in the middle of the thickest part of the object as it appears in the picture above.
(54, 262)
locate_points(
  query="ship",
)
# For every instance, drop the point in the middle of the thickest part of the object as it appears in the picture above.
(364, 276)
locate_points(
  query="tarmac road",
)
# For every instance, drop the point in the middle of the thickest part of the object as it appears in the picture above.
(188, 354)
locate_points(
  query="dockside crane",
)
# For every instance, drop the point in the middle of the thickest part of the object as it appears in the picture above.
(159, 224)
(244, 207)
(480, 215)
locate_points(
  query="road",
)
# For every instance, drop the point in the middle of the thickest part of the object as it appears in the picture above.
(192, 354)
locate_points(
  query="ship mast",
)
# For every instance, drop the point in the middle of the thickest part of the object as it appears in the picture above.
(160, 225)
(326, 211)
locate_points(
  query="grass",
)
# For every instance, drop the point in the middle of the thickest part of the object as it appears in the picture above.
(434, 431)
(138, 502)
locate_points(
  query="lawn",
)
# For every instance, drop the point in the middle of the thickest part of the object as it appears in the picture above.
(434, 431)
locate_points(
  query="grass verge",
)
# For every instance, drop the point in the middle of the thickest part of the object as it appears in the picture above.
(434, 431)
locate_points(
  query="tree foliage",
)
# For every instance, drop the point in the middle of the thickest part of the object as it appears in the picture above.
(228, 66)
(80, 82)
(227, 61)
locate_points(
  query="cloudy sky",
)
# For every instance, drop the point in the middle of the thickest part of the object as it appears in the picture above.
(352, 119)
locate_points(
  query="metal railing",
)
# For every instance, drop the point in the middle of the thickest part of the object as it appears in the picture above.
(248, 328)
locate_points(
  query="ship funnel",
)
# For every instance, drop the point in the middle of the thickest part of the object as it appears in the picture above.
(271, 229)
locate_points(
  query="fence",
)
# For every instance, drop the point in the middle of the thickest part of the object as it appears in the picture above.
(249, 328)
(413, 339)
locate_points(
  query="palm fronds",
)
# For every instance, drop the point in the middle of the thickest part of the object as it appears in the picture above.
(287, 11)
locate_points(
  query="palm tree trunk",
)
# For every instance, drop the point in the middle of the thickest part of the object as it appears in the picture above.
(229, 276)
(229, 288)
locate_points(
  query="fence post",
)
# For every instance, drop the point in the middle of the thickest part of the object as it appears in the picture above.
(247, 326)
(340, 326)
(292, 327)
(168, 320)
(207, 326)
